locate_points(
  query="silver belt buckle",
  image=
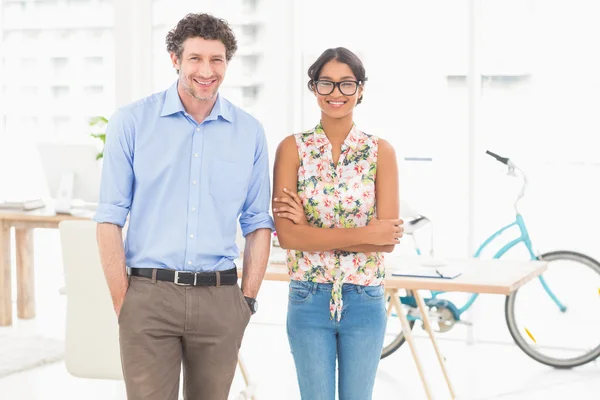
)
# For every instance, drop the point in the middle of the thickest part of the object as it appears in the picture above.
(176, 281)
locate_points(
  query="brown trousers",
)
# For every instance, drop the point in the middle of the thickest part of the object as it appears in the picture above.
(162, 325)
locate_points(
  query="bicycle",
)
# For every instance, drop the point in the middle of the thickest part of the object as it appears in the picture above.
(556, 300)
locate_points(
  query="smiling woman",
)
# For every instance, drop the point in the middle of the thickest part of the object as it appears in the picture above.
(336, 212)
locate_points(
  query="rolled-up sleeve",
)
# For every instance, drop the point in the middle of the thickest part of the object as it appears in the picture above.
(255, 212)
(116, 187)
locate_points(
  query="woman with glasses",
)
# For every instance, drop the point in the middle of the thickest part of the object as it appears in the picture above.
(336, 212)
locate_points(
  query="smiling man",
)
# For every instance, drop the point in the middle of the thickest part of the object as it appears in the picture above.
(184, 165)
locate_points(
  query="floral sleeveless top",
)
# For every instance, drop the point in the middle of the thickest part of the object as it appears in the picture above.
(337, 196)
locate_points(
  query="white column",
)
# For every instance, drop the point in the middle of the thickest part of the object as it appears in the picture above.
(298, 74)
(474, 83)
(133, 50)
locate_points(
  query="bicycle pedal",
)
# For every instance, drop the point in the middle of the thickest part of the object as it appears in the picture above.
(463, 322)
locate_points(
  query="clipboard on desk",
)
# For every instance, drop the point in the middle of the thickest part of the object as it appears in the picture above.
(445, 272)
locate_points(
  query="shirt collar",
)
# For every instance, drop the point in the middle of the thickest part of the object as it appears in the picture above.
(222, 109)
(351, 141)
(173, 105)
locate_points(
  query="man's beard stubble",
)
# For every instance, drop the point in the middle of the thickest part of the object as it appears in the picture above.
(189, 88)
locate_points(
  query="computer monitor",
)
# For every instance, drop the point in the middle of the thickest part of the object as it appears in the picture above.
(72, 174)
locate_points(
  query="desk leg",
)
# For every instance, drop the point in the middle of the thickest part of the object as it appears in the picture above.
(5, 282)
(424, 311)
(395, 302)
(25, 278)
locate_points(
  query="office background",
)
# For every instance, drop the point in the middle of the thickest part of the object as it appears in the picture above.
(63, 62)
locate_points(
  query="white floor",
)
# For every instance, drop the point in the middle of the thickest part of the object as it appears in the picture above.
(492, 368)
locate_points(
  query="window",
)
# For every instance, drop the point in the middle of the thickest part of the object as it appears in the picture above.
(30, 91)
(52, 64)
(249, 6)
(29, 124)
(96, 34)
(31, 35)
(93, 62)
(93, 91)
(61, 125)
(28, 63)
(63, 34)
(60, 66)
(60, 92)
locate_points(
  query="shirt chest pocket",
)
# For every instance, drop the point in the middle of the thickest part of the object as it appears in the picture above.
(228, 181)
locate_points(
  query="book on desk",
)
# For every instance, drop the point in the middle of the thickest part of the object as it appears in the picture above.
(22, 205)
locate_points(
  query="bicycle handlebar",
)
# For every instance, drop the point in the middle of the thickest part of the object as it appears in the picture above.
(503, 160)
(511, 170)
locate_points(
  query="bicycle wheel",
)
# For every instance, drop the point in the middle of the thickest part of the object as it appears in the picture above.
(394, 337)
(555, 320)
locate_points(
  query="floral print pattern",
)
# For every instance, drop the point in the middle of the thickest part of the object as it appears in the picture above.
(337, 196)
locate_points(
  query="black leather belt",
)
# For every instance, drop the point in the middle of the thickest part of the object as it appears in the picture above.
(187, 278)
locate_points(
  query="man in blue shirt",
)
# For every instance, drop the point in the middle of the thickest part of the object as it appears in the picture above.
(184, 165)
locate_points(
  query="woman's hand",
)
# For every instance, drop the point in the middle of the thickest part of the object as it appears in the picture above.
(290, 208)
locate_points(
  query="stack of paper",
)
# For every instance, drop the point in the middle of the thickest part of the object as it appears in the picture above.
(24, 205)
(445, 272)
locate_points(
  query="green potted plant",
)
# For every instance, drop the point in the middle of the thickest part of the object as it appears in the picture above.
(98, 125)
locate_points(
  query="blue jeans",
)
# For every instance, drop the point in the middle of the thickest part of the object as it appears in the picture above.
(316, 340)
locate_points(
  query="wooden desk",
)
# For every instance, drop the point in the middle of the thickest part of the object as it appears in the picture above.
(478, 276)
(24, 223)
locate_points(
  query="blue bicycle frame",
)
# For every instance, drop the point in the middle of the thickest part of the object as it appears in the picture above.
(457, 312)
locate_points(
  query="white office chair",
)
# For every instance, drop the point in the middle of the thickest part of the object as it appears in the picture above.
(92, 334)
(406, 211)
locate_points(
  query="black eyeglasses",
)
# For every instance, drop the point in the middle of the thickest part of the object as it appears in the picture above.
(347, 88)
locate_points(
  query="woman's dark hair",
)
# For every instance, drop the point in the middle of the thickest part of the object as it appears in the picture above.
(340, 54)
(201, 25)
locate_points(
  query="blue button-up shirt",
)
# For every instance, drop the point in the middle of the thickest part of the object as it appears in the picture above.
(184, 184)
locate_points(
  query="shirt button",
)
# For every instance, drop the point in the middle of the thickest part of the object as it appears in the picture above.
(189, 263)
(194, 182)
(193, 209)
(196, 155)
(198, 129)
(191, 236)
